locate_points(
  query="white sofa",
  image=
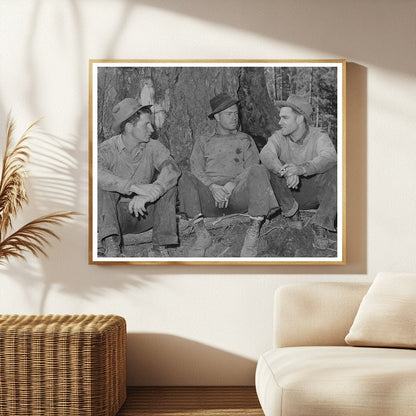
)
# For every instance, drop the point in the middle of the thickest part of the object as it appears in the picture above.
(311, 371)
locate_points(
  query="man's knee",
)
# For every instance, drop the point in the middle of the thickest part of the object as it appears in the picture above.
(275, 178)
(186, 180)
(170, 194)
(107, 198)
(258, 175)
(258, 171)
(166, 204)
(332, 174)
(328, 180)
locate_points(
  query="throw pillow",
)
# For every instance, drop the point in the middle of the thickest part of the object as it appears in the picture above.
(387, 314)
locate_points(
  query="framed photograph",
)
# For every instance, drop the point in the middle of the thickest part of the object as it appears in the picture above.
(217, 162)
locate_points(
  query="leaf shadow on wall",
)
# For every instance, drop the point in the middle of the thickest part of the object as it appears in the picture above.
(303, 13)
(163, 359)
(53, 187)
(60, 181)
(69, 187)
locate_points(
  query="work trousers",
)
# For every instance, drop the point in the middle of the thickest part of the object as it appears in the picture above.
(253, 195)
(114, 217)
(316, 191)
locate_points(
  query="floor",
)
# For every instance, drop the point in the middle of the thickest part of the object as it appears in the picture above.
(187, 401)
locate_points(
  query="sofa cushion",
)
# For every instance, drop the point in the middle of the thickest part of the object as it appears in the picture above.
(387, 314)
(304, 381)
(315, 314)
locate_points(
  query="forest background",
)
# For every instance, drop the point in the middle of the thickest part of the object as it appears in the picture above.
(180, 97)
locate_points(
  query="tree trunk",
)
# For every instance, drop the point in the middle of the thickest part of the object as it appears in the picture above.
(293, 72)
(259, 117)
(285, 84)
(188, 91)
(181, 101)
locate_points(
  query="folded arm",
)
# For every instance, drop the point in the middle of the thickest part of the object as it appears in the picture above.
(107, 180)
(325, 159)
(169, 173)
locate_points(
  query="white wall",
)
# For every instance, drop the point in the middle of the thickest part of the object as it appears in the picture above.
(204, 324)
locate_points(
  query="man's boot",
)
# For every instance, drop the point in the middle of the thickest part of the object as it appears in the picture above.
(251, 240)
(158, 251)
(203, 239)
(320, 239)
(112, 246)
(295, 221)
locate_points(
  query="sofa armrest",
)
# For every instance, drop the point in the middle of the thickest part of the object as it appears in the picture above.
(308, 314)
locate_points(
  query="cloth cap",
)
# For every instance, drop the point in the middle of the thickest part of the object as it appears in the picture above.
(221, 102)
(298, 104)
(123, 110)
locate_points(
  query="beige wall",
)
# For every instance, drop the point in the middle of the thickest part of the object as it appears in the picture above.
(201, 324)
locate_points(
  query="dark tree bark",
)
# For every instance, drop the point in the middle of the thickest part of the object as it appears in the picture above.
(285, 84)
(259, 117)
(180, 97)
(293, 72)
(189, 91)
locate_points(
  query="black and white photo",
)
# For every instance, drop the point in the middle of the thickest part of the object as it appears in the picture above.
(217, 162)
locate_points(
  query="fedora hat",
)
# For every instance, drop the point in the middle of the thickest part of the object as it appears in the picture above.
(123, 110)
(221, 102)
(299, 104)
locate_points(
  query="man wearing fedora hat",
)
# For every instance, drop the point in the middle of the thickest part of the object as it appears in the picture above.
(226, 177)
(129, 199)
(302, 161)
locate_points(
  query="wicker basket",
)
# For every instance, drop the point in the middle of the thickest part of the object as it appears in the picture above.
(71, 365)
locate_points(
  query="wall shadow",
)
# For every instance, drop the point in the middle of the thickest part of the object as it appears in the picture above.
(60, 182)
(54, 187)
(355, 159)
(168, 360)
(332, 26)
(356, 169)
(250, 17)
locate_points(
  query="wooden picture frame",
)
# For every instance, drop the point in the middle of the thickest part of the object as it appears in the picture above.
(180, 93)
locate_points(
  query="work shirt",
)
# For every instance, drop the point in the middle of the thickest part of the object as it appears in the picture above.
(119, 168)
(220, 159)
(315, 153)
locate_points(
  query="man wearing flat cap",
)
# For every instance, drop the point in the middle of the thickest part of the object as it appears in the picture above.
(225, 178)
(302, 161)
(130, 200)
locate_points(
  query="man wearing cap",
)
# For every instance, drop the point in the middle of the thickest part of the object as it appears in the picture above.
(302, 161)
(129, 199)
(225, 178)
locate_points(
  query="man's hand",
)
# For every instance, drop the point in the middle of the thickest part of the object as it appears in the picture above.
(292, 181)
(137, 205)
(291, 169)
(291, 172)
(229, 188)
(149, 190)
(220, 195)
